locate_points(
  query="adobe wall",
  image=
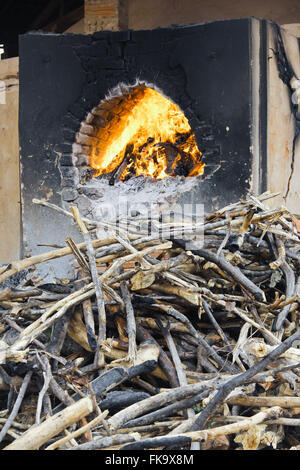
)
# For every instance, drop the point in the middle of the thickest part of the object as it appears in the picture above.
(9, 162)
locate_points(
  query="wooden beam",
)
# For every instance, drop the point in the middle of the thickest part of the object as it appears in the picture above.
(44, 15)
(62, 24)
(105, 15)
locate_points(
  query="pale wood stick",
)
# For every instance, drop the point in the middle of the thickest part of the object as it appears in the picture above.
(179, 369)
(58, 305)
(168, 396)
(15, 424)
(131, 249)
(47, 378)
(20, 265)
(70, 215)
(77, 253)
(26, 337)
(38, 435)
(99, 356)
(79, 431)
(175, 356)
(192, 297)
(283, 402)
(88, 314)
(131, 325)
(267, 334)
(140, 254)
(233, 419)
(204, 435)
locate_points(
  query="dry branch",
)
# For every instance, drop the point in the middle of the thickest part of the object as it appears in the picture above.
(175, 327)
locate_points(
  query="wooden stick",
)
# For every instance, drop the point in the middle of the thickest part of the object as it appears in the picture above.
(233, 271)
(131, 326)
(17, 405)
(99, 356)
(204, 435)
(35, 437)
(283, 402)
(78, 432)
(224, 391)
(169, 396)
(40, 325)
(109, 441)
(47, 378)
(168, 410)
(163, 360)
(210, 351)
(88, 317)
(20, 265)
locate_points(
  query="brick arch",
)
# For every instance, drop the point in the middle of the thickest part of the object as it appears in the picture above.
(99, 118)
(76, 176)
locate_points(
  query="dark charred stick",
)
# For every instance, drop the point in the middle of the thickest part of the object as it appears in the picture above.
(210, 351)
(117, 173)
(290, 290)
(61, 394)
(175, 357)
(108, 441)
(230, 385)
(167, 410)
(16, 406)
(227, 267)
(157, 401)
(56, 288)
(214, 322)
(59, 333)
(177, 442)
(116, 401)
(113, 377)
(203, 361)
(13, 294)
(219, 329)
(163, 360)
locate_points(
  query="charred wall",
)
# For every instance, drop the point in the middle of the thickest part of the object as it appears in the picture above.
(205, 69)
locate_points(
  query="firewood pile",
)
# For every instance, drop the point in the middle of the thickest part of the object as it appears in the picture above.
(155, 346)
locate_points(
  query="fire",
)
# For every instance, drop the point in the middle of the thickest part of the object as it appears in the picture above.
(148, 135)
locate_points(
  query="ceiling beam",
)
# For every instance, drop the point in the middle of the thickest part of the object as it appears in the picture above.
(44, 15)
(60, 25)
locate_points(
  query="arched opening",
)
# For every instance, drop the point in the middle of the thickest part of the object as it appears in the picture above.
(142, 133)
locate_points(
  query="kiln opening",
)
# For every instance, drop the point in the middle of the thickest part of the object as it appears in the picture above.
(139, 133)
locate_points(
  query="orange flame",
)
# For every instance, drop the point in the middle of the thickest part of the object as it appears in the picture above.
(147, 134)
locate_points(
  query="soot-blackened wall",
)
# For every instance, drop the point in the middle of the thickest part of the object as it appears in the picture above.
(205, 69)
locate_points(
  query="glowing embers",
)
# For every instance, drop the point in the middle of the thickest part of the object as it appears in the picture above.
(145, 134)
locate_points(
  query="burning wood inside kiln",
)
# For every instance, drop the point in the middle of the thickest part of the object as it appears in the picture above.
(145, 134)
